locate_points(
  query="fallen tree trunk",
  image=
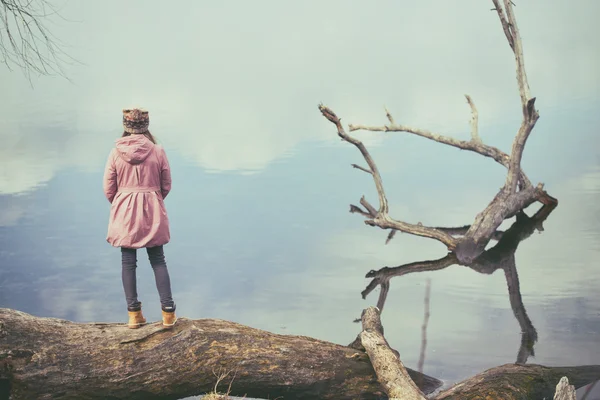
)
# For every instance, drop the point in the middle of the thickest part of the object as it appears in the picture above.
(519, 382)
(47, 358)
(506, 382)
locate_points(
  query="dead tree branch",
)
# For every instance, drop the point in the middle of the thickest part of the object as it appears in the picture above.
(507, 203)
(382, 218)
(475, 144)
(474, 120)
(530, 114)
(501, 256)
(391, 373)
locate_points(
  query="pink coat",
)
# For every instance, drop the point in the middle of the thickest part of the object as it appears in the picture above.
(137, 178)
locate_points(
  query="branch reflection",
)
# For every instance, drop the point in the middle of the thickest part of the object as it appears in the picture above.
(501, 256)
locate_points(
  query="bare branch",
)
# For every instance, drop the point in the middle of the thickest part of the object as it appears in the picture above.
(368, 206)
(389, 116)
(362, 169)
(504, 22)
(382, 219)
(518, 50)
(391, 373)
(474, 120)
(386, 222)
(530, 114)
(391, 236)
(25, 41)
(358, 210)
(330, 115)
(475, 146)
(372, 285)
(507, 202)
(501, 256)
(385, 288)
(461, 231)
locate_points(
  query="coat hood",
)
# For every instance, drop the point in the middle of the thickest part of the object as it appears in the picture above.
(134, 148)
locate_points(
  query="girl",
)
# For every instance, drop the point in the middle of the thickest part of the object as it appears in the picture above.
(137, 178)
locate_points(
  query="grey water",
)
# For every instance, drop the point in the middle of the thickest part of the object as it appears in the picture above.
(261, 233)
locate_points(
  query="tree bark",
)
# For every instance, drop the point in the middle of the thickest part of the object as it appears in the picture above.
(47, 358)
(519, 382)
(391, 373)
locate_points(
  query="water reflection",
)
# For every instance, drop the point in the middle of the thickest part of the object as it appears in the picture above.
(501, 256)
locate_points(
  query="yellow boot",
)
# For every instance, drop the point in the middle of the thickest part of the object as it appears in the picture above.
(169, 319)
(136, 319)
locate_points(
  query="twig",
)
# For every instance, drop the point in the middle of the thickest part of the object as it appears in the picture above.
(390, 236)
(358, 210)
(389, 116)
(474, 120)
(368, 206)
(330, 115)
(25, 41)
(362, 169)
(220, 376)
(385, 288)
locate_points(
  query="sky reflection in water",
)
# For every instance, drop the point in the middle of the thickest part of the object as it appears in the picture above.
(260, 229)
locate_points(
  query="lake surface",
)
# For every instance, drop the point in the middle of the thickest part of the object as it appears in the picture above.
(261, 233)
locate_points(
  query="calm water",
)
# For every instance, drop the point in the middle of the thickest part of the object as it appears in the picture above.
(261, 233)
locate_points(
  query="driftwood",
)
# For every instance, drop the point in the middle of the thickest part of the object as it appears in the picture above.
(517, 193)
(46, 358)
(466, 245)
(501, 256)
(390, 371)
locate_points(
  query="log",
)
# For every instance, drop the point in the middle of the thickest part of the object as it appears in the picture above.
(391, 373)
(48, 358)
(519, 382)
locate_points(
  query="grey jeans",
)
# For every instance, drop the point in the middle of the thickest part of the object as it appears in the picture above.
(161, 275)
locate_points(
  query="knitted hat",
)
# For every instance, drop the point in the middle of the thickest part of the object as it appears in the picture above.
(135, 120)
